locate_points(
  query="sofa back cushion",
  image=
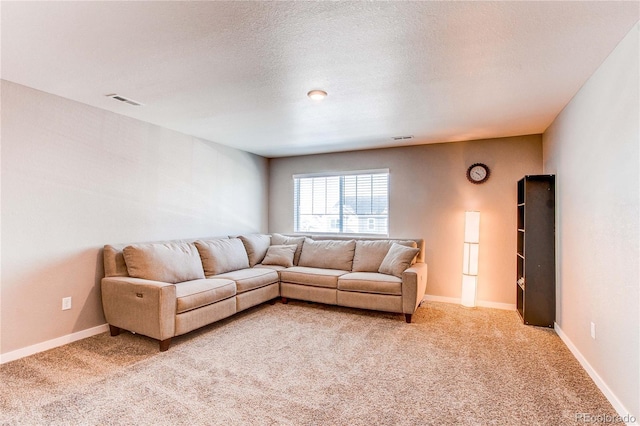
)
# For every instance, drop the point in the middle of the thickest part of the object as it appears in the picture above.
(397, 260)
(279, 239)
(220, 256)
(256, 246)
(114, 264)
(369, 254)
(329, 254)
(419, 241)
(166, 262)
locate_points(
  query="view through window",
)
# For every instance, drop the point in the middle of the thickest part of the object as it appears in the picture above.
(346, 203)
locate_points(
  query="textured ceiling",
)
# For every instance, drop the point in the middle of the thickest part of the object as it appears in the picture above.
(237, 73)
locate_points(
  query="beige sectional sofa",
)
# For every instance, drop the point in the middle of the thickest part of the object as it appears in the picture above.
(165, 289)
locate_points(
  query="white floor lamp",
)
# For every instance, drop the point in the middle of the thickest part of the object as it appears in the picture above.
(470, 266)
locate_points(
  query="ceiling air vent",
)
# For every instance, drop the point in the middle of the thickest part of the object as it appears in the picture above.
(402, 138)
(124, 99)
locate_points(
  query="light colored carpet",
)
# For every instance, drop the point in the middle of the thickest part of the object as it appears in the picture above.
(306, 363)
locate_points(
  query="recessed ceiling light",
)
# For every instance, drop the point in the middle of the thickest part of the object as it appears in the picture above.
(317, 95)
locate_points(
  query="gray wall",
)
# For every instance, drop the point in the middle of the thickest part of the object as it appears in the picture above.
(593, 148)
(76, 177)
(429, 194)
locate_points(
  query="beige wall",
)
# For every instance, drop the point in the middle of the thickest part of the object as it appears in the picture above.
(75, 178)
(593, 148)
(429, 193)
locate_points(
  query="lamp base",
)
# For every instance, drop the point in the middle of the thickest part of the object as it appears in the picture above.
(469, 286)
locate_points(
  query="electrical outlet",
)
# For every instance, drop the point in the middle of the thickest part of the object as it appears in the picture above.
(593, 330)
(66, 303)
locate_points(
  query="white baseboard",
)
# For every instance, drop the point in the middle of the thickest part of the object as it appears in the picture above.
(608, 393)
(481, 303)
(53, 343)
(430, 298)
(496, 305)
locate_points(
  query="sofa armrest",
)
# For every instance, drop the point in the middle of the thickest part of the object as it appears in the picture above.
(142, 306)
(414, 284)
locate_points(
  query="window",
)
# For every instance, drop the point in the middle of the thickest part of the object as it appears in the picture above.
(345, 203)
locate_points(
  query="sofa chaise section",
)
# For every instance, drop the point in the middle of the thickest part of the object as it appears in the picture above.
(166, 289)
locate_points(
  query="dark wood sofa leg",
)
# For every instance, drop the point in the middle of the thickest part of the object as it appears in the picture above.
(114, 330)
(284, 300)
(408, 318)
(164, 344)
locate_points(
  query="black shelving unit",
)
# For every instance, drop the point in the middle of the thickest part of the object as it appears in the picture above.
(536, 258)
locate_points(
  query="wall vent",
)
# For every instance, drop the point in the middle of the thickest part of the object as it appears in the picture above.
(124, 99)
(402, 138)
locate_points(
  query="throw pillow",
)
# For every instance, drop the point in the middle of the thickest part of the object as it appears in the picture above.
(369, 254)
(256, 246)
(279, 239)
(281, 255)
(328, 254)
(220, 256)
(397, 260)
(166, 262)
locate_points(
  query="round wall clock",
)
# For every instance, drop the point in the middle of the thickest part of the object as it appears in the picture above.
(478, 173)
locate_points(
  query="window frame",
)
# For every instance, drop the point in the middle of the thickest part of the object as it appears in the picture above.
(341, 175)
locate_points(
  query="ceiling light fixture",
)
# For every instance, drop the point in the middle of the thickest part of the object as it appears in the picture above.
(317, 95)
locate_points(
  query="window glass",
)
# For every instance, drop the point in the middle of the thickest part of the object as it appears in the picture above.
(349, 203)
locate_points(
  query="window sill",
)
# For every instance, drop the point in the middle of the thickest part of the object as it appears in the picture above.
(344, 235)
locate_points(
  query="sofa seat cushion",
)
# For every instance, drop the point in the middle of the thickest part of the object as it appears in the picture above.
(198, 293)
(272, 267)
(316, 277)
(370, 282)
(251, 278)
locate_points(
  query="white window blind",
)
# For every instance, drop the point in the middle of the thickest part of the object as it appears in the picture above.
(345, 203)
